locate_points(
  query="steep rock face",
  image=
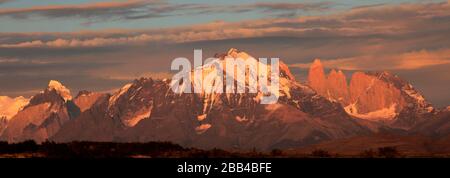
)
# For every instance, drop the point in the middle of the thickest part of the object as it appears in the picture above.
(3, 124)
(233, 122)
(42, 117)
(373, 96)
(148, 110)
(135, 102)
(85, 99)
(334, 86)
(317, 78)
(10, 106)
(393, 100)
(60, 89)
(91, 125)
(437, 125)
(337, 88)
(369, 93)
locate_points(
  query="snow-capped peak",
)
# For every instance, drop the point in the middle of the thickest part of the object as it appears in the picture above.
(235, 53)
(209, 81)
(60, 89)
(232, 50)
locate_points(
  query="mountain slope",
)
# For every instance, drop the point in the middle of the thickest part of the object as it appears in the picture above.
(43, 116)
(148, 110)
(10, 106)
(85, 99)
(437, 126)
(374, 96)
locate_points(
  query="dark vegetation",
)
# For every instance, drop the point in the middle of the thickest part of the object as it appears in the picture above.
(321, 153)
(388, 152)
(113, 150)
(157, 150)
(383, 152)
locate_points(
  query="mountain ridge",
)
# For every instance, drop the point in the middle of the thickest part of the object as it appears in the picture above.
(148, 110)
(375, 96)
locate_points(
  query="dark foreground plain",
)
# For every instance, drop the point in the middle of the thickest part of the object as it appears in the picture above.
(383, 146)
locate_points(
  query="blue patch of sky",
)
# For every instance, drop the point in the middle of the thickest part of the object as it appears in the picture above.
(42, 24)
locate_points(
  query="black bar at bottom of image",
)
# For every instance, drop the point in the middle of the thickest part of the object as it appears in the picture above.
(264, 167)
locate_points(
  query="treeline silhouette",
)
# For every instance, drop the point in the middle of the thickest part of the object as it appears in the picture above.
(84, 149)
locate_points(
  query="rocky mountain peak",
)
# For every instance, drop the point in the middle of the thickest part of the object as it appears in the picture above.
(10, 106)
(85, 99)
(316, 77)
(60, 89)
(376, 96)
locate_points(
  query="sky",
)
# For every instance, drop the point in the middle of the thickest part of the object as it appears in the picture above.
(101, 45)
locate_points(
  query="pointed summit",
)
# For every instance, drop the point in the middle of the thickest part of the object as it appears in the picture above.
(284, 69)
(86, 99)
(332, 73)
(337, 86)
(60, 89)
(317, 64)
(235, 53)
(232, 51)
(46, 112)
(316, 77)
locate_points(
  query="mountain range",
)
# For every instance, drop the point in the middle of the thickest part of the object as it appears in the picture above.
(323, 109)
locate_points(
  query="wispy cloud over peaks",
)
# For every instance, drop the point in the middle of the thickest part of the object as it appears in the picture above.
(115, 9)
(5, 1)
(74, 42)
(143, 9)
(287, 9)
(429, 20)
(405, 61)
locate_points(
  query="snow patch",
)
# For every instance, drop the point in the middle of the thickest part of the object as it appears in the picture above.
(414, 94)
(285, 87)
(382, 114)
(132, 122)
(119, 93)
(202, 128)
(241, 119)
(201, 117)
(208, 80)
(60, 89)
(86, 95)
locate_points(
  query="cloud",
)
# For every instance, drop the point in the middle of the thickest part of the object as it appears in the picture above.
(100, 10)
(94, 42)
(8, 60)
(153, 75)
(5, 1)
(285, 9)
(276, 9)
(144, 9)
(291, 6)
(413, 21)
(405, 61)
